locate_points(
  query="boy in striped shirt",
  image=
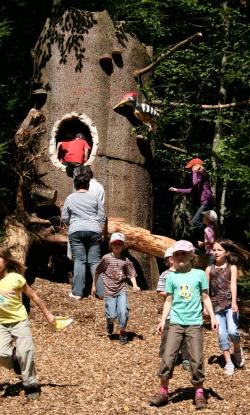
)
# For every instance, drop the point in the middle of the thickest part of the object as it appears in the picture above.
(116, 269)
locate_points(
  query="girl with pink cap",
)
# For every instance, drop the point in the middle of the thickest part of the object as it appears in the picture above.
(186, 287)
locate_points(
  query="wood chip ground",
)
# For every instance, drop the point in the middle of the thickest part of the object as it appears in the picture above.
(83, 372)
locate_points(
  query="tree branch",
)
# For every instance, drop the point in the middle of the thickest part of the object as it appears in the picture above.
(204, 106)
(182, 150)
(150, 67)
(225, 106)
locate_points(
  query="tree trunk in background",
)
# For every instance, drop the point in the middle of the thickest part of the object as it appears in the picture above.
(217, 129)
(223, 202)
(17, 238)
(181, 218)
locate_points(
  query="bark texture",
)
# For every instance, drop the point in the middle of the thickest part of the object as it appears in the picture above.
(77, 85)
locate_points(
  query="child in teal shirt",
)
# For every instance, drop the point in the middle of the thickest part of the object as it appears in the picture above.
(185, 288)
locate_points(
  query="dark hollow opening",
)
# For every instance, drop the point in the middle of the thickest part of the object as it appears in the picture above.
(68, 130)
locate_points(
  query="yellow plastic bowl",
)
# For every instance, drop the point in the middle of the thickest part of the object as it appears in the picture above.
(61, 322)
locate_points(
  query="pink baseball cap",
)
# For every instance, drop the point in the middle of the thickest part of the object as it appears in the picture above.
(183, 245)
(168, 252)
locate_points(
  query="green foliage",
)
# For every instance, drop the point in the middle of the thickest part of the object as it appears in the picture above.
(244, 287)
(5, 30)
(3, 153)
(193, 76)
(186, 79)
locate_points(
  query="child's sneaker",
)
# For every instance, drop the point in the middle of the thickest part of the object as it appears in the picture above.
(229, 369)
(75, 297)
(200, 400)
(110, 326)
(32, 391)
(239, 358)
(123, 338)
(159, 399)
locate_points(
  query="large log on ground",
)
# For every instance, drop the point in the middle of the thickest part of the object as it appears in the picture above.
(138, 239)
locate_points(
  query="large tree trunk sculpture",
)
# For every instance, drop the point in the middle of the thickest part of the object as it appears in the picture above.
(83, 65)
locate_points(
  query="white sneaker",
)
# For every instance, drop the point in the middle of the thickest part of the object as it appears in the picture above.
(239, 358)
(75, 297)
(229, 369)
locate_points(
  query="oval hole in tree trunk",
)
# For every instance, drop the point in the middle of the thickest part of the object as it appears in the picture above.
(74, 123)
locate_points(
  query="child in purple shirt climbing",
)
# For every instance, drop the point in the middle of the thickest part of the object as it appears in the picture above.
(201, 190)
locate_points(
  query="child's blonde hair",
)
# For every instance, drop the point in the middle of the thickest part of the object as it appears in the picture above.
(211, 215)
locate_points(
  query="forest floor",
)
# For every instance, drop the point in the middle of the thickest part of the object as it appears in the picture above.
(83, 372)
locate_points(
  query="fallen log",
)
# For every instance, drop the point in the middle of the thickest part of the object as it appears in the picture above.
(138, 239)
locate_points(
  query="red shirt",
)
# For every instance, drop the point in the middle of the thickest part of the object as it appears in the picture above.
(73, 151)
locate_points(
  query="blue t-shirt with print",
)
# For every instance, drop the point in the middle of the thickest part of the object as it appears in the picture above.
(186, 289)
